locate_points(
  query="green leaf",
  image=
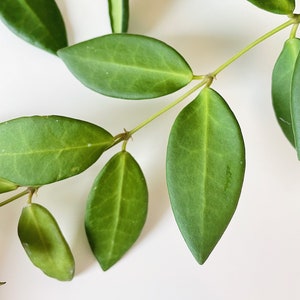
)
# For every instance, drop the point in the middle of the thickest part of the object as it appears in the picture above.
(127, 66)
(284, 7)
(42, 149)
(295, 103)
(1, 282)
(37, 22)
(7, 186)
(205, 170)
(44, 243)
(116, 209)
(119, 15)
(282, 77)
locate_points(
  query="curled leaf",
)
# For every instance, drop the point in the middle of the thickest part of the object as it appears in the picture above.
(205, 171)
(127, 66)
(119, 15)
(42, 149)
(282, 78)
(7, 186)
(44, 243)
(284, 7)
(295, 103)
(116, 209)
(38, 22)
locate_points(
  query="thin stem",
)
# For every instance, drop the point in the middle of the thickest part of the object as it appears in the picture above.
(15, 197)
(168, 107)
(253, 44)
(294, 31)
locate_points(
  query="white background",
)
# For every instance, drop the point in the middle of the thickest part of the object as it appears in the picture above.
(258, 257)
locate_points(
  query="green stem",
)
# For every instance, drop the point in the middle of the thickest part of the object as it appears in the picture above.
(168, 107)
(253, 44)
(207, 79)
(13, 198)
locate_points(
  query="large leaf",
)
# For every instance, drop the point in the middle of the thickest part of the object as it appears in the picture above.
(295, 103)
(44, 243)
(39, 22)
(119, 15)
(205, 170)
(282, 77)
(116, 209)
(284, 7)
(38, 150)
(127, 66)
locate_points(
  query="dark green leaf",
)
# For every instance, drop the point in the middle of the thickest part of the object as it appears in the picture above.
(39, 22)
(7, 186)
(38, 150)
(295, 103)
(282, 86)
(127, 66)
(116, 209)
(284, 7)
(205, 170)
(119, 15)
(1, 283)
(44, 243)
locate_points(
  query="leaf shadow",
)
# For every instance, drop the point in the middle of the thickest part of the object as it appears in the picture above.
(145, 14)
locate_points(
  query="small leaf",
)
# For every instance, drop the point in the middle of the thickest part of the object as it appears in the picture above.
(1, 282)
(38, 150)
(119, 15)
(116, 209)
(282, 77)
(37, 22)
(284, 7)
(295, 103)
(127, 66)
(44, 243)
(205, 170)
(7, 186)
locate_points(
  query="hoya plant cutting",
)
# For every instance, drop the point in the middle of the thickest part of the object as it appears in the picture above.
(205, 157)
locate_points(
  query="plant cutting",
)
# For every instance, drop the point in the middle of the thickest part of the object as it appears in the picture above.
(205, 162)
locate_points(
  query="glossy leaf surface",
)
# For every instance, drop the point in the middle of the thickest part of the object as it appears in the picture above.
(7, 186)
(284, 7)
(44, 243)
(282, 77)
(119, 15)
(38, 150)
(205, 170)
(127, 66)
(38, 22)
(295, 103)
(116, 209)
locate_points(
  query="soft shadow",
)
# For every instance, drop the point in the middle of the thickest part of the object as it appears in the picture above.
(145, 14)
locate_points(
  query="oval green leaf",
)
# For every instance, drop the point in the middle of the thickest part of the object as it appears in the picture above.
(284, 7)
(42, 149)
(295, 104)
(37, 22)
(127, 66)
(205, 171)
(116, 209)
(119, 15)
(7, 186)
(282, 77)
(44, 243)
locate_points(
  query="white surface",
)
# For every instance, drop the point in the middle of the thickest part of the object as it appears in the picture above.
(258, 257)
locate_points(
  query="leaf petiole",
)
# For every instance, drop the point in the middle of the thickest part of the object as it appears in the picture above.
(15, 197)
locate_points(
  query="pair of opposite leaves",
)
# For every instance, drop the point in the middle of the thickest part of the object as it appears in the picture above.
(205, 167)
